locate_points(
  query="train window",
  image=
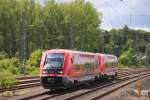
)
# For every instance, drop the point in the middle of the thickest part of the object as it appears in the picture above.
(72, 60)
(55, 60)
(55, 55)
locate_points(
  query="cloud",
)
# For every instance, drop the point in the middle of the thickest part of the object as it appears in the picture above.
(63, 1)
(117, 13)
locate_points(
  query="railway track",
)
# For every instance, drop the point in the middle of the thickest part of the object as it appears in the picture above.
(100, 92)
(34, 81)
(92, 91)
(27, 82)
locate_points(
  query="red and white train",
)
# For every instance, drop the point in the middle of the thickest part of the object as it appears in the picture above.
(61, 68)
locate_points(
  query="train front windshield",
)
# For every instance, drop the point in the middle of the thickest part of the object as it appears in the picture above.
(55, 60)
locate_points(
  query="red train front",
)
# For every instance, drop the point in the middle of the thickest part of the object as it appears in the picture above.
(61, 68)
(53, 70)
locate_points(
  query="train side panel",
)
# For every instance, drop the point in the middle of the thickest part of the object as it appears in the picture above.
(110, 64)
(83, 65)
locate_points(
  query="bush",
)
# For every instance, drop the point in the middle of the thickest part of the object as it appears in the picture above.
(126, 58)
(3, 55)
(33, 71)
(35, 57)
(4, 63)
(147, 53)
(7, 79)
(34, 62)
(10, 65)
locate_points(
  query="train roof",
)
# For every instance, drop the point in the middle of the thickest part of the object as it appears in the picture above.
(108, 56)
(80, 52)
(67, 51)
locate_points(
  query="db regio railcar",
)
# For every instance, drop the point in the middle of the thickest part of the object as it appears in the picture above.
(61, 69)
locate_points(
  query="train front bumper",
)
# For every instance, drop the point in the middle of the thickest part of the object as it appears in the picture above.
(55, 82)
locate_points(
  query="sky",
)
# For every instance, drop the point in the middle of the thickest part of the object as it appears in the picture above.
(118, 13)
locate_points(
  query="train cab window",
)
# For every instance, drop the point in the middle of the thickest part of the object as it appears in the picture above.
(55, 60)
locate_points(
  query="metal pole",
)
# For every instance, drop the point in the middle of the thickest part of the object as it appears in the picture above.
(23, 30)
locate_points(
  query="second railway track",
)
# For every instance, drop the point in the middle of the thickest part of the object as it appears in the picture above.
(102, 91)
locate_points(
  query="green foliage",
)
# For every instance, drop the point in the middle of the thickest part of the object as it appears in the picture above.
(52, 25)
(126, 58)
(148, 50)
(11, 65)
(32, 66)
(4, 63)
(9, 26)
(35, 57)
(7, 79)
(3, 55)
(147, 53)
(128, 44)
(32, 71)
(71, 25)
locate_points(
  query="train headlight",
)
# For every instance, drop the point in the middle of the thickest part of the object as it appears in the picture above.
(44, 72)
(61, 72)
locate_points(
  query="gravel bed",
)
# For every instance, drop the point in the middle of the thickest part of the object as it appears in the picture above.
(24, 93)
(129, 92)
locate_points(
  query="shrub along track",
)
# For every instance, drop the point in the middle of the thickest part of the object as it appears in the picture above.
(25, 82)
(93, 89)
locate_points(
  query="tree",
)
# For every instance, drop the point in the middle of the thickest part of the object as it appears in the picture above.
(148, 53)
(72, 25)
(9, 23)
(33, 63)
(126, 57)
(35, 57)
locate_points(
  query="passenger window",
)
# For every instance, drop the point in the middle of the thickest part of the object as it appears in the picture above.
(72, 60)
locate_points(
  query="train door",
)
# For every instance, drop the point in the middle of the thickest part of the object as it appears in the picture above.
(77, 66)
(96, 65)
